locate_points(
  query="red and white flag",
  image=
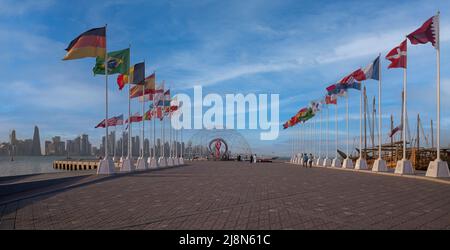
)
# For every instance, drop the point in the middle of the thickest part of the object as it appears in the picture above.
(397, 56)
(428, 32)
(135, 118)
(331, 99)
(350, 79)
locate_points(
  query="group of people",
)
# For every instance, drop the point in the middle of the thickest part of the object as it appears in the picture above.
(307, 160)
(252, 158)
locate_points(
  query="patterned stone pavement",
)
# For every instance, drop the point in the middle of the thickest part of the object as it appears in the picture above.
(229, 195)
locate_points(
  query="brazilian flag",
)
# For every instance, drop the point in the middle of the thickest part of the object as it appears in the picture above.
(118, 63)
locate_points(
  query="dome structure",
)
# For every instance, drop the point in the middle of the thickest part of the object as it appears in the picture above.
(217, 144)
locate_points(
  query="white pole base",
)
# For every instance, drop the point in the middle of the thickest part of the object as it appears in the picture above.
(175, 161)
(142, 163)
(348, 163)
(169, 162)
(162, 162)
(106, 166)
(152, 163)
(301, 161)
(319, 162)
(122, 159)
(361, 164)
(404, 166)
(336, 163)
(293, 159)
(327, 162)
(379, 166)
(127, 165)
(181, 161)
(296, 159)
(438, 168)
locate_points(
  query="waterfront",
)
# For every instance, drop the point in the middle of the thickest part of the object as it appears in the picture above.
(24, 165)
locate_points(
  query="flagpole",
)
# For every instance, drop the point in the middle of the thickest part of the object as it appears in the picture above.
(379, 164)
(129, 112)
(336, 127)
(380, 132)
(143, 120)
(404, 166)
(404, 114)
(122, 142)
(361, 162)
(154, 131)
(320, 137)
(438, 168)
(348, 163)
(328, 131)
(438, 90)
(360, 120)
(106, 166)
(346, 117)
(106, 98)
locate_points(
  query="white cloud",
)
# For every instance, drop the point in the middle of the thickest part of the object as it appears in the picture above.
(18, 8)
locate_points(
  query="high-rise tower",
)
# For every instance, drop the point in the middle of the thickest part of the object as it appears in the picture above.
(36, 148)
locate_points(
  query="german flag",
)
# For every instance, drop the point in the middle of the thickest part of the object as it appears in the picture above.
(91, 43)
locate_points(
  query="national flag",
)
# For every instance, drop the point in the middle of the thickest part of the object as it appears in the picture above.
(159, 94)
(101, 124)
(395, 130)
(150, 82)
(397, 56)
(167, 95)
(148, 115)
(428, 32)
(123, 79)
(159, 113)
(354, 85)
(139, 74)
(371, 71)
(308, 115)
(337, 89)
(315, 106)
(91, 43)
(149, 88)
(118, 62)
(136, 91)
(174, 105)
(119, 120)
(114, 121)
(134, 118)
(350, 78)
(331, 99)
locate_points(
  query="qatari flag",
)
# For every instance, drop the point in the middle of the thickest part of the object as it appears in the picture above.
(428, 32)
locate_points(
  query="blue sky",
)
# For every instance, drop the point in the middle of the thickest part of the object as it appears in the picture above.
(292, 48)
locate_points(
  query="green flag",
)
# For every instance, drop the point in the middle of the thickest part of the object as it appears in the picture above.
(118, 63)
(308, 115)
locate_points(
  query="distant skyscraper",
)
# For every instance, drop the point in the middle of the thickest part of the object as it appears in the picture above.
(85, 145)
(36, 146)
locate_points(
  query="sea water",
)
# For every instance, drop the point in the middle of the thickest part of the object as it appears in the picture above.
(23, 165)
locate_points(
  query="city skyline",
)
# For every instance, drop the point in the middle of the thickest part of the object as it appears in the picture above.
(80, 146)
(218, 53)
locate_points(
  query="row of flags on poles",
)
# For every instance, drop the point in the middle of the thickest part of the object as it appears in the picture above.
(92, 43)
(427, 33)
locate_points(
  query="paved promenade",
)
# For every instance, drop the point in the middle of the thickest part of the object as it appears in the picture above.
(228, 195)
